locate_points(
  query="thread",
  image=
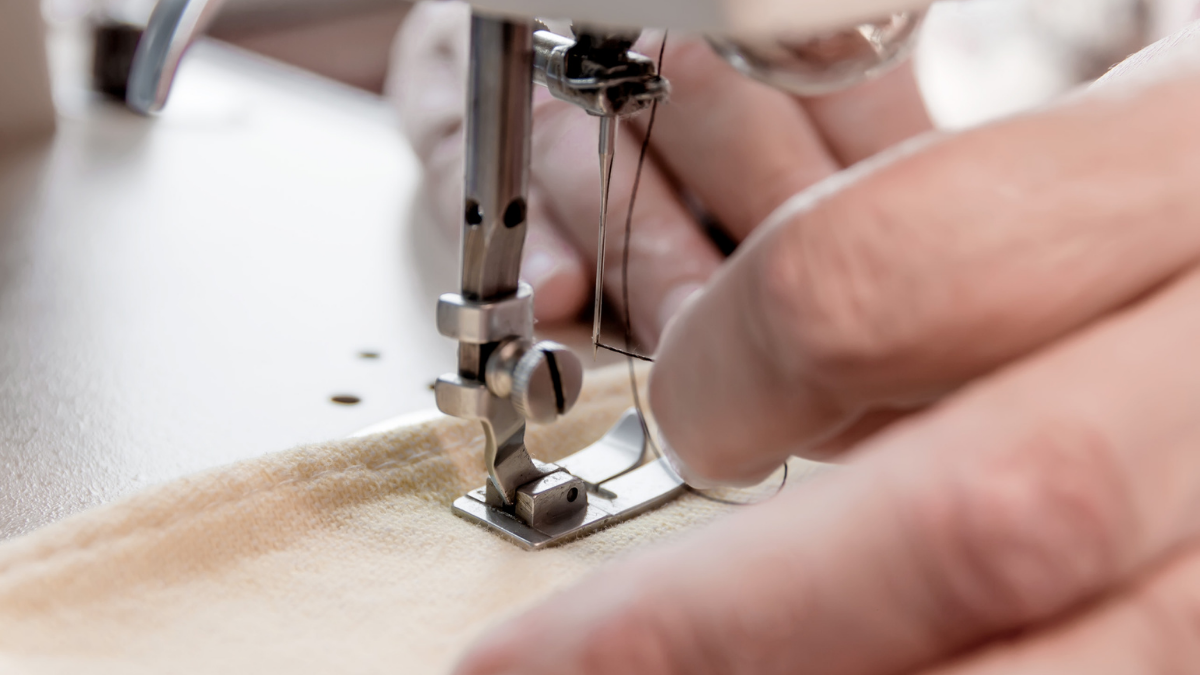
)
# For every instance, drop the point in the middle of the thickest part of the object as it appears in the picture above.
(626, 316)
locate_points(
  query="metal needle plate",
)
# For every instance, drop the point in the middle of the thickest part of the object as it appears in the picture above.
(616, 490)
(619, 452)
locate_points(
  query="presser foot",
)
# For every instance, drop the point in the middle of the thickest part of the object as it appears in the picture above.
(605, 483)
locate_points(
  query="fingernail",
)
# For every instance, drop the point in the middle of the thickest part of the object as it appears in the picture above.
(681, 469)
(674, 301)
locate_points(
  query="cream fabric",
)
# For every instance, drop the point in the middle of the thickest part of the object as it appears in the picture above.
(342, 557)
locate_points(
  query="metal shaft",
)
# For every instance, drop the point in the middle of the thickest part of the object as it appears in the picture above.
(497, 176)
(608, 151)
(497, 167)
(497, 156)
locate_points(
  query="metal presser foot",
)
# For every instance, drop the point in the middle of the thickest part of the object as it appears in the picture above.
(531, 503)
(598, 486)
(504, 379)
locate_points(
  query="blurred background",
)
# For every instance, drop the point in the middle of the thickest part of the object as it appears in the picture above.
(978, 59)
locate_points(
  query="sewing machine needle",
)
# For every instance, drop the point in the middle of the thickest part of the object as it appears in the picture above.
(608, 151)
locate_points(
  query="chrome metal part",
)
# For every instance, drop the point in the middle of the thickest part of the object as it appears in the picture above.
(621, 450)
(503, 378)
(509, 464)
(543, 380)
(598, 72)
(480, 323)
(551, 500)
(497, 167)
(470, 400)
(503, 362)
(546, 382)
(173, 26)
(609, 126)
(610, 499)
(497, 161)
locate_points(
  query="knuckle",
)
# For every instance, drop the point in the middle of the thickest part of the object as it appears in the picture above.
(832, 279)
(1031, 528)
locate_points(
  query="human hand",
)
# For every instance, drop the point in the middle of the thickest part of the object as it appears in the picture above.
(738, 147)
(1040, 276)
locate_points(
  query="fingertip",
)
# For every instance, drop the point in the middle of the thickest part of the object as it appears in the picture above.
(746, 477)
(560, 287)
(665, 400)
(665, 392)
(704, 406)
(681, 468)
(552, 267)
(674, 301)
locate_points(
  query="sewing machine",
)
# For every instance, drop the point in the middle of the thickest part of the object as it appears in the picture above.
(504, 379)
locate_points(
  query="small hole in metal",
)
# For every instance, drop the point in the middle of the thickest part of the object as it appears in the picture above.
(474, 215)
(346, 399)
(369, 355)
(514, 215)
(573, 494)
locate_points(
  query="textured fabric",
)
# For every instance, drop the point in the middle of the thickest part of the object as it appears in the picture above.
(342, 557)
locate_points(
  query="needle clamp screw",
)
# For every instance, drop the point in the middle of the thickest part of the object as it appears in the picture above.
(543, 380)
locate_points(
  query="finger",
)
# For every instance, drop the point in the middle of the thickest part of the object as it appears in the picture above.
(427, 80)
(829, 449)
(866, 119)
(740, 146)
(928, 269)
(427, 84)
(1164, 58)
(669, 256)
(561, 281)
(1014, 502)
(860, 429)
(1149, 629)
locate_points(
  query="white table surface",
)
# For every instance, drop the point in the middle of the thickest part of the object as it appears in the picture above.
(183, 292)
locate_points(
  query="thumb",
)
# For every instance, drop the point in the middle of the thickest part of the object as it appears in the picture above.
(427, 81)
(683, 609)
(922, 271)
